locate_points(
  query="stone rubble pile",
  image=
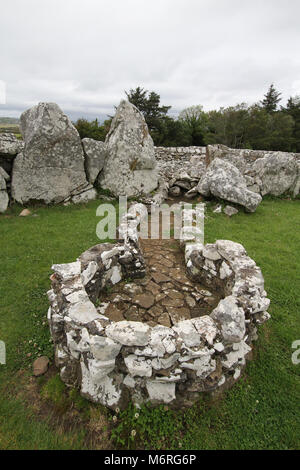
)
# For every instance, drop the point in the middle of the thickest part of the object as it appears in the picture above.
(113, 362)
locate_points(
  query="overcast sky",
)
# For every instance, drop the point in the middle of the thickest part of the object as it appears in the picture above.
(83, 54)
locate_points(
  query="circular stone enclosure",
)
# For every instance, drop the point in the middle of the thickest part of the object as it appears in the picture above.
(115, 362)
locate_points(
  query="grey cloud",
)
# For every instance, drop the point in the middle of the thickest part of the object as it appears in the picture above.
(83, 55)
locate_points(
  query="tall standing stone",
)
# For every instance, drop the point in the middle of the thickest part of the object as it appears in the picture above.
(51, 167)
(130, 166)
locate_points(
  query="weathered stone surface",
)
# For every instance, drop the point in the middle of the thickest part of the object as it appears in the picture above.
(40, 366)
(224, 180)
(25, 213)
(230, 211)
(95, 155)
(88, 194)
(129, 333)
(159, 392)
(130, 166)
(4, 199)
(10, 145)
(175, 191)
(231, 318)
(51, 166)
(265, 172)
(277, 172)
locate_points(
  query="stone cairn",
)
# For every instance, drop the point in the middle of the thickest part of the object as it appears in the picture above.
(113, 362)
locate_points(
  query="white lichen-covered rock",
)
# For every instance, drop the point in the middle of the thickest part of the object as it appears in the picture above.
(224, 180)
(129, 333)
(10, 145)
(51, 167)
(277, 172)
(160, 392)
(130, 165)
(231, 319)
(138, 366)
(94, 151)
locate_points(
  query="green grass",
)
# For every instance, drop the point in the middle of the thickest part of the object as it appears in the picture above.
(260, 412)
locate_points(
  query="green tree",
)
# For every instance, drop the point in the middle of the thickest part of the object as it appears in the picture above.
(271, 99)
(293, 109)
(195, 121)
(149, 105)
(228, 126)
(267, 131)
(172, 133)
(92, 129)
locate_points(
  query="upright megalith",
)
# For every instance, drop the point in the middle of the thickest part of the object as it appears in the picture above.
(130, 165)
(50, 169)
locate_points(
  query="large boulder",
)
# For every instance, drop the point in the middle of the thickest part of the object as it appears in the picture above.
(95, 154)
(223, 180)
(276, 173)
(51, 167)
(130, 166)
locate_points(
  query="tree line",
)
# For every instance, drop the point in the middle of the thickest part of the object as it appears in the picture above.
(262, 126)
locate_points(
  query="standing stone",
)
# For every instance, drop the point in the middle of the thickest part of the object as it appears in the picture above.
(94, 151)
(130, 166)
(51, 167)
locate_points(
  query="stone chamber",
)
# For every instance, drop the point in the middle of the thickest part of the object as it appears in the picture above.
(156, 321)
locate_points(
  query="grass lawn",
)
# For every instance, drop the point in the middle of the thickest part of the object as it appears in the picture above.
(260, 412)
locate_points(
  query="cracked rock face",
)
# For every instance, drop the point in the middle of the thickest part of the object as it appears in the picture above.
(130, 166)
(50, 169)
(112, 360)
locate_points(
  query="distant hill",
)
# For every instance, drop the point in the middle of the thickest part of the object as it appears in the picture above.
(8, 124)
(9, 120)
